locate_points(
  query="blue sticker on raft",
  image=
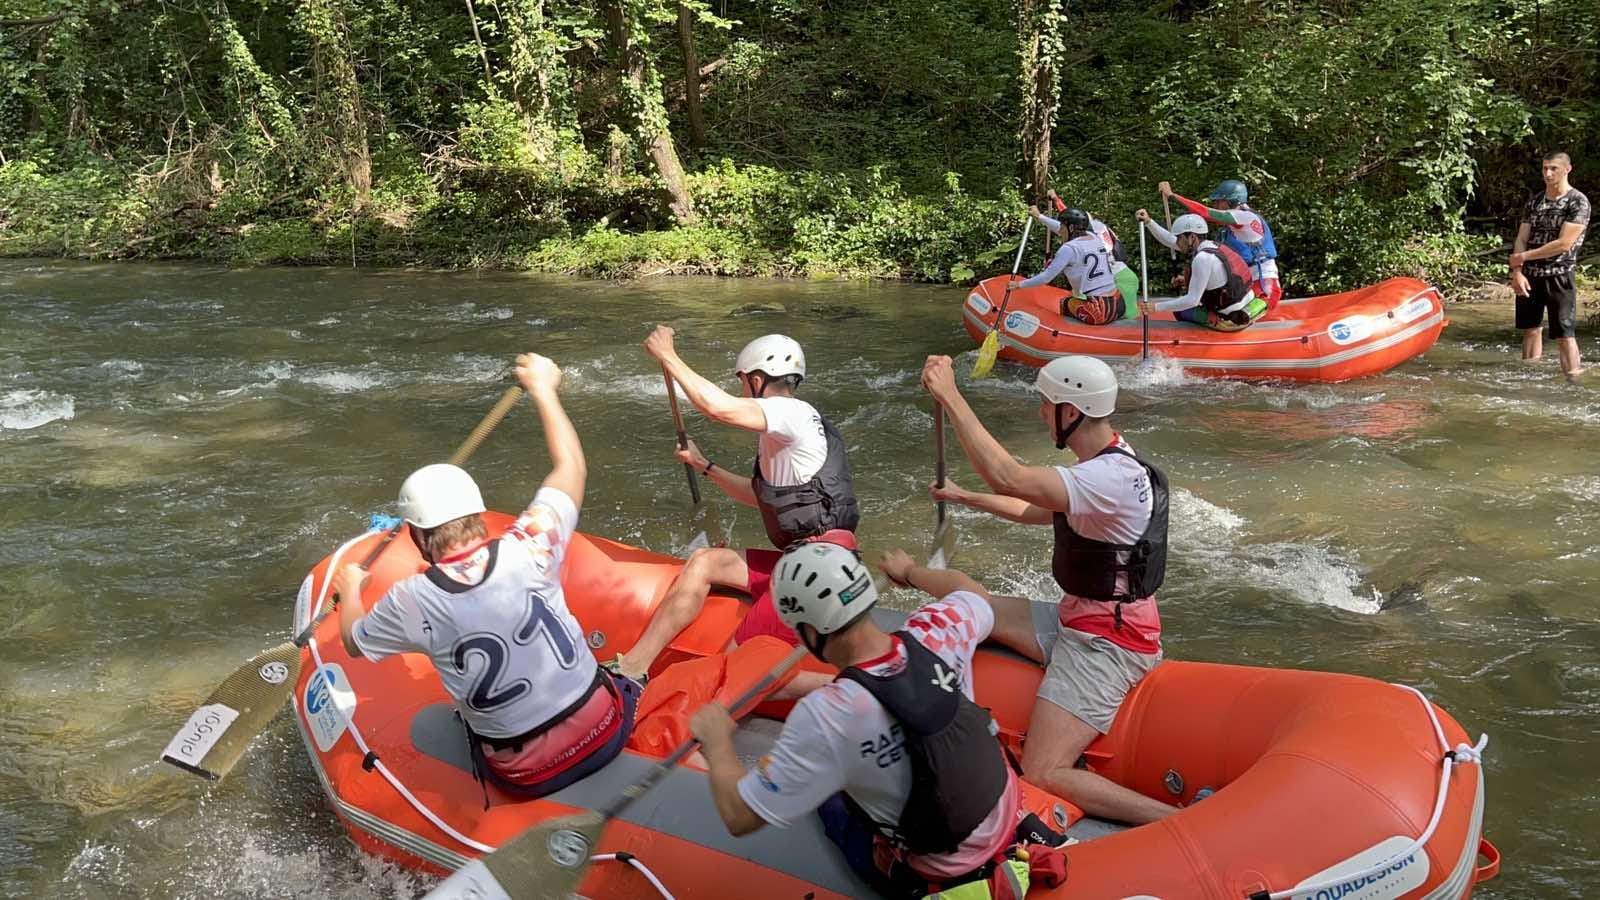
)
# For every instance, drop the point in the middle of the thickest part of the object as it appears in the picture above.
(382, 522)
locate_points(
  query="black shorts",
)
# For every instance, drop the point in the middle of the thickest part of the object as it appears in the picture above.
(1556, 293)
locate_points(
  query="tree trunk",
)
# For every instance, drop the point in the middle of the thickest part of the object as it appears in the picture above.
(338, 92)
(691, 78)
(1039, 26)
(641, 89)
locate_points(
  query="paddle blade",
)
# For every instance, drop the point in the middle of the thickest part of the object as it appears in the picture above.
(217, 734)
(700, 541)
(943, 548)
(986, 354)
(546, 862)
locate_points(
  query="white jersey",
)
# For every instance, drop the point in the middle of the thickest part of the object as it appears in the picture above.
(794, 446)
(1086, 261)
(840, 738)
(496, 625)
(1250, 228)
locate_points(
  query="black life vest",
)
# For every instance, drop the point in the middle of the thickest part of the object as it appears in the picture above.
(794, 513)
(958, 771)
(1240, 283)
(1089, 568)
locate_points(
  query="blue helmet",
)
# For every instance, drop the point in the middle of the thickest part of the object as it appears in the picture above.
(1232, 191)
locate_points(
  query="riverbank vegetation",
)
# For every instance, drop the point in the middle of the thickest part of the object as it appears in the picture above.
(886, 138)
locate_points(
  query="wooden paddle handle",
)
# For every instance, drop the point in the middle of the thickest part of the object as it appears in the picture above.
(476, 438)
(938, 453)
(1166, 210)
(683, 437)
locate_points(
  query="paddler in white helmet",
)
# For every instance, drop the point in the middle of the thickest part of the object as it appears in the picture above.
(902, 704)
(1109, 515)
(1219, 289)
(799, 480)
(491, 616)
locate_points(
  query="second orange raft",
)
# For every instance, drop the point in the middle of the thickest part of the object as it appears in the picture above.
(1334, 337)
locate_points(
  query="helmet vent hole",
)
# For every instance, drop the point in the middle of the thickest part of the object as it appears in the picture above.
(826, 592)
(812, 577)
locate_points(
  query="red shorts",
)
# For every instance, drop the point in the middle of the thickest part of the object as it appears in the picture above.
(763, 616)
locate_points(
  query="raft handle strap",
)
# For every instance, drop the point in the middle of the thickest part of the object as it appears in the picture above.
(1462, 754)
(626, 857)
(370, 760)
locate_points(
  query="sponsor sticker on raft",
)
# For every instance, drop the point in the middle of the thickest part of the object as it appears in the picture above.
(1413, 309)
(1021, 324)
(1350, 329)
(979, 303)
(1394, 879)
(198, 735)
(327, 693)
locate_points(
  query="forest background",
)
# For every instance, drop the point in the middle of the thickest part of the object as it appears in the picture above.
(878, 138)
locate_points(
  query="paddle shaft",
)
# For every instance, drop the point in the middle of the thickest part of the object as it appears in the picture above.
(462, 454)
(1166, 210)
(683, 437)
(938, 455)
(642, 786)
(1144, 288)
(1000, 318)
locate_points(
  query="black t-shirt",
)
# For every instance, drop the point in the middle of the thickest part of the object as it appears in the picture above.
(1545, 218)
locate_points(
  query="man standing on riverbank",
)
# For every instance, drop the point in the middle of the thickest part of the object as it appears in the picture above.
(1543, 277)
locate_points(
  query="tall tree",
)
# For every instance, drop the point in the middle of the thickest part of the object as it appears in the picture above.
(338, 93)
(1039, 50)
(691, 77)
(641, 89)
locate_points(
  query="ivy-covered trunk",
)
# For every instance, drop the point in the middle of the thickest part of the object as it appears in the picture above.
(338, 92)
(1039, 24)
(640, 85)
(691, 77)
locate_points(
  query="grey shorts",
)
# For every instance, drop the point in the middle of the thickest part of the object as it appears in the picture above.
(1087, 675)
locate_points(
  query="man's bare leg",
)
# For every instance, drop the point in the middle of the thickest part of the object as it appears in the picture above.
(1532, 343)
(1056, 738)
(1013, 627)
(1571, 364)
(683, 602)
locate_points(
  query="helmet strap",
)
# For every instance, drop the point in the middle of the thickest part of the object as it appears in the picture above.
(758, 389)
(1065, 431)
(418, 537)
(816, 647)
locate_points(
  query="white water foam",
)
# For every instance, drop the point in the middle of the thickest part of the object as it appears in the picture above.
(342, 382)
(1157, 372)
(23, 410)
(123, 368)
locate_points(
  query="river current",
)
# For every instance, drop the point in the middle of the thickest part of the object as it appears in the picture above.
(179, 444)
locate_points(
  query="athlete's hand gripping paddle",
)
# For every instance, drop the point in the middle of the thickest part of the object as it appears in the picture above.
(217, 733)
(547, 861)
(990, 348)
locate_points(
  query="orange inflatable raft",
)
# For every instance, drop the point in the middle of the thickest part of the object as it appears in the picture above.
(1328, 787)
(1335, 337)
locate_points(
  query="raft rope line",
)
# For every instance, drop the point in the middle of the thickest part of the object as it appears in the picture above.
(377, 763)
(1174, 342)
(1463, 753)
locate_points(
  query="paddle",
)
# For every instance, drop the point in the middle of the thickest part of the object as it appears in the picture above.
(1166, 210)
(943, 548)
(1144, 287)
(217, 733)
(547, 861)
(683, 437)
(990, 348)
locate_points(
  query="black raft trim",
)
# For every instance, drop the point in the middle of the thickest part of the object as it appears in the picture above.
(370, 760)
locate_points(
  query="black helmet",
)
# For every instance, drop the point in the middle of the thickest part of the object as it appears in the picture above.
(1076, 220)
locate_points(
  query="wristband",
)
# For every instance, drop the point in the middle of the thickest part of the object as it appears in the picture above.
(709, 466)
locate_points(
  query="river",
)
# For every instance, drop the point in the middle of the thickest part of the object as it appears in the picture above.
(179, 444)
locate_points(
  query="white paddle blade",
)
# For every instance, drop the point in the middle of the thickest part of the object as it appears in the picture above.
(546, 862)
(943, 548)
(700, 542)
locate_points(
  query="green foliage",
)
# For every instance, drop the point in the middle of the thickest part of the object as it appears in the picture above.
(875, 139)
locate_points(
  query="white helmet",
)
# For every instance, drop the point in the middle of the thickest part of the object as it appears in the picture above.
(775, 354)
(823, 585)
(1189, 223)
(436, 494)
(1083, 381)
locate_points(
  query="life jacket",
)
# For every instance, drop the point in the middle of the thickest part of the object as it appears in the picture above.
(1235, 291)
(796, 512)
(1085, 567)
(1254, 254)
(958, 773)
